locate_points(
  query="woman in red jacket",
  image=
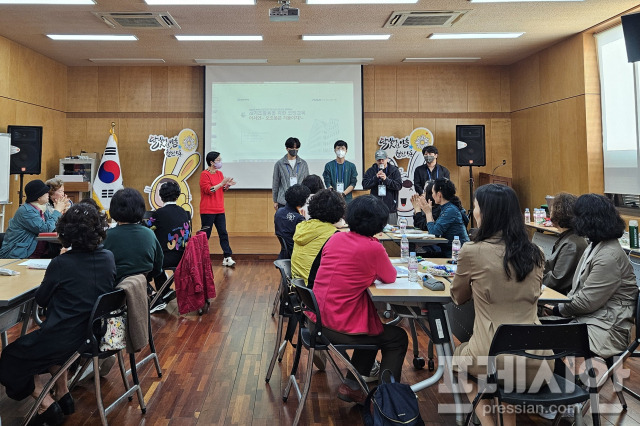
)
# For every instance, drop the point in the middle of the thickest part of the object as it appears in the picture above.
(351, 262)
(212, 187)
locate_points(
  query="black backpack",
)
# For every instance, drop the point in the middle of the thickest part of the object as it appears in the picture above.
(393, 404)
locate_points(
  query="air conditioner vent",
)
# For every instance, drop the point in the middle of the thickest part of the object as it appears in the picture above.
(419, 19)
(138, 20)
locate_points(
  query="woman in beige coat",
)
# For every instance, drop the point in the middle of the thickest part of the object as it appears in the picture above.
(502, 270)
(604, 290)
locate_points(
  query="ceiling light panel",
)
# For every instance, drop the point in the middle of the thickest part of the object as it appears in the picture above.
(219, 37)
(200, 2)
(463, 36)
(444, 59)
(516, 1)
(54, 2)
(230, 61)
(335, 60)
(329, 37)
(127, 60)
(360, 1)
(89, 37)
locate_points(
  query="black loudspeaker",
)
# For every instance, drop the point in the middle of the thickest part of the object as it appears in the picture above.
(29, 140)
(470, 146)
(631, 30)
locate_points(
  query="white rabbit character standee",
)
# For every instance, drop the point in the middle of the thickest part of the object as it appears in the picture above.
(181, 159)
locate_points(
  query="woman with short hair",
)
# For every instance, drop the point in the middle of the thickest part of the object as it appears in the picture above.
(567, 250)
(604, 290)
(134, 246)
(71, 285)
(351, 262)
(30, 219)
(56, 192)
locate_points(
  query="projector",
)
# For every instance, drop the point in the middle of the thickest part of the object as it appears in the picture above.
(283, 13)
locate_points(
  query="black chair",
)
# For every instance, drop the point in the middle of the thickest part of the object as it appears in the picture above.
(1, 238)
(565, 340)
(284, 250)
(286, 300)
(316, 341)
(104, 308)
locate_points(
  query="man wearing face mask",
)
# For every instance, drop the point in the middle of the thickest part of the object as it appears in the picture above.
(288, 171)
(429, 171)
(340, 174)
(384, 181)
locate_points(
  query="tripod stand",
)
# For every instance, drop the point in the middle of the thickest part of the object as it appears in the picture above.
(470, 196)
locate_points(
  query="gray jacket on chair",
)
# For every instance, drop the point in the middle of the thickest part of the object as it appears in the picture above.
(604, 297)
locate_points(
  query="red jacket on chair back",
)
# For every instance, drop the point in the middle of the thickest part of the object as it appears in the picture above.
(194, 276)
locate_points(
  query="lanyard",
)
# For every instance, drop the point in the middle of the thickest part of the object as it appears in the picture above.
(437, 172)
(337, 176)
(297, 168)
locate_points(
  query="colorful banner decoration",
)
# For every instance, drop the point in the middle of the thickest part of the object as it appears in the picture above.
(408, 147)
(181, 159)
(109, 177)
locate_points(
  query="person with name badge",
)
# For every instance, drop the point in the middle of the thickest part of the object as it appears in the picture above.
(340, 174)
(384, 181)
(288, 171)
(430, 170)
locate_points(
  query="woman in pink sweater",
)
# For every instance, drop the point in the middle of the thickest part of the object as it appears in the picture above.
(351, 262)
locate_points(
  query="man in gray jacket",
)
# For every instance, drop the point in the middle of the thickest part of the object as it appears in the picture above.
(288, 171)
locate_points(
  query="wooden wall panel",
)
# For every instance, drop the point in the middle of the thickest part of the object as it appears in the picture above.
(484, 89)
(524, 78)
(159, 89)
(443, 88)
(83, 89)
(591, 71)
(562, 70)
(186, 89)
(368, 88)
(109, 89)
(135, 89)
(407, 88)
(595, 161)
(385, 89)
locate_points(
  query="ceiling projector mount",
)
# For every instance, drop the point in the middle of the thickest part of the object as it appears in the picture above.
(284, 12)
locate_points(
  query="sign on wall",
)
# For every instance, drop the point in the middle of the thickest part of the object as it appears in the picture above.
(181, 159)
(407, 147)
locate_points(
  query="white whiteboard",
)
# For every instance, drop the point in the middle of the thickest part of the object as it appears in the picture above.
(5, 147)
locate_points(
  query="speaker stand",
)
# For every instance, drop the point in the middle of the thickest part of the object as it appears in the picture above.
(21, 192)
(470, 196)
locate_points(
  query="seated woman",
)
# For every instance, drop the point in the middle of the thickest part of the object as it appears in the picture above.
(351, 262)
(172, 226)
(501, 269)
(561, 265)
(452, 221)
(287, 217)
(30, 219)
(71, 285)
(134, 246)
(326, 208)
(604, 290)
(56, 192)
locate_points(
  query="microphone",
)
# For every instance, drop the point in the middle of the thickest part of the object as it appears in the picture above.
(504, 162)
(380, 166)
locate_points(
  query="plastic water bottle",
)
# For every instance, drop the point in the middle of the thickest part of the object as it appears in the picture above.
(404, 248)
(402, 223)
(455, 249)
(413, 267)
(527, 215)
(633, 234)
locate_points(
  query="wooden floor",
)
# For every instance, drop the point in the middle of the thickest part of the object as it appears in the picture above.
(214, 370)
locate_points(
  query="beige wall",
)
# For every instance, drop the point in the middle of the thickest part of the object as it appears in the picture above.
(33, 93)
(556, 122)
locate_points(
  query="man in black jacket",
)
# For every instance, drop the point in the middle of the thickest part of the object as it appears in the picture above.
(430, 170)
(384, 181)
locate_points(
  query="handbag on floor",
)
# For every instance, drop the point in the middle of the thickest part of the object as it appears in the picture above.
(391, 403)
